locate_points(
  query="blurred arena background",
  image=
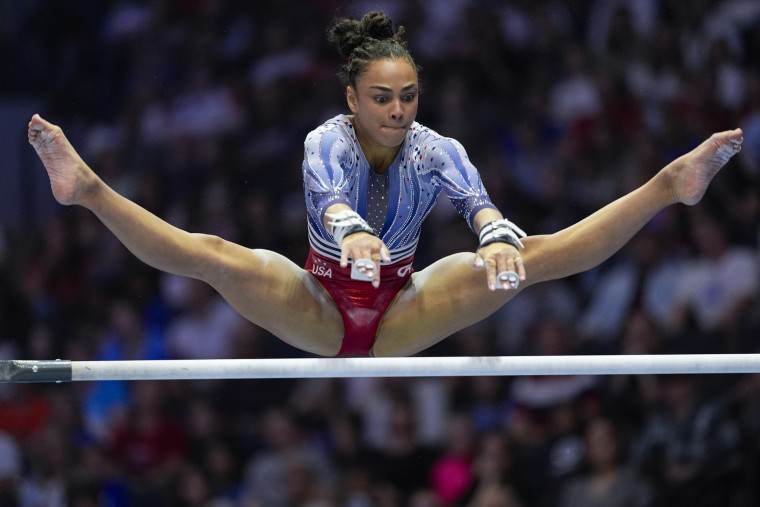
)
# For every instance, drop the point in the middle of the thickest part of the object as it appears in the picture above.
(198, 109)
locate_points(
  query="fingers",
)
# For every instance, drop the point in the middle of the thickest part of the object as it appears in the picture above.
(366, 252)
(491, 273)
(385, 254)
(520, 268)
(375, 271)
(504, 266)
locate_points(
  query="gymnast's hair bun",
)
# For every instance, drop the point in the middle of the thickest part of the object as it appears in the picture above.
(347, 34)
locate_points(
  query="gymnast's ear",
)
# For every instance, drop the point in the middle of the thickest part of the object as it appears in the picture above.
(351, 99)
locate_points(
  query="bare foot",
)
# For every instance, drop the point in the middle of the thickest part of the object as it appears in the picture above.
(692, 173)
(70, 177)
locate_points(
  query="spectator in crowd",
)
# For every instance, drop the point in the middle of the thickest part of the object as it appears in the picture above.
(495, 477)
(402, 463)
(10, 469)
(644, 277)
(204, 327)
(687, 447)
(716, 290)
(126, 338)
(451, 473)
(608, 481)
(148, 445)
(285, 445)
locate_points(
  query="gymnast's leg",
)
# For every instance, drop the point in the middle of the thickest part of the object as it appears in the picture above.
(450, 294)
(263, 286)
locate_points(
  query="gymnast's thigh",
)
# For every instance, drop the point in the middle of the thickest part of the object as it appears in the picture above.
(438, 301)
(273, 292)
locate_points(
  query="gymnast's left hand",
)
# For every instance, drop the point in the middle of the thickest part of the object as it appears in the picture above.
(365, 246)
(499, 258)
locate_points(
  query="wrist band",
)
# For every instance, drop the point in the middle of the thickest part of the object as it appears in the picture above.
(347, 222)
(502, 231)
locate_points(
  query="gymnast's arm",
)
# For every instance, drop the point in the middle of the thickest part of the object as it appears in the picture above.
(496, 257)
(360, 245)
(328, 171)
(461, 182)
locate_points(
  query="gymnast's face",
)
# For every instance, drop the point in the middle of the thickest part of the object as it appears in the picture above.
(384, 103)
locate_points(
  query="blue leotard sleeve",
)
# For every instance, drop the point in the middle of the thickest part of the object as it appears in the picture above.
(328, 169)
(460, 180)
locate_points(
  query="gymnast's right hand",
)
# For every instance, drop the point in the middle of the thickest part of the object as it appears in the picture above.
(362, 247)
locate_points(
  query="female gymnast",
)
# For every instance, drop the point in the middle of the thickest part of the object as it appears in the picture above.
(370, 179)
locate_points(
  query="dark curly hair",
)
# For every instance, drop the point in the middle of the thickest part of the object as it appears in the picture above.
(361, 41)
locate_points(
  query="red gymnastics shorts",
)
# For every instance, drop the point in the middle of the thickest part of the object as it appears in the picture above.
(361, 305)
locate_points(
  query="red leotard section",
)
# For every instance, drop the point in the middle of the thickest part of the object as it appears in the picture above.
(361, 305)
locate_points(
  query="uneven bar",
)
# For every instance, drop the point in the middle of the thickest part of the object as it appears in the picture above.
(63, 371)
(20, 371)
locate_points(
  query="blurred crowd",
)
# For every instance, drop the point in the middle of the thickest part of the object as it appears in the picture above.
(197, 110)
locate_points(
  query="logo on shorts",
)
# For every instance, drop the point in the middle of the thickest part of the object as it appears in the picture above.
(404, 270)
(322, 271)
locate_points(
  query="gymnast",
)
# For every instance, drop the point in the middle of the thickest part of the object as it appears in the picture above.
(370, 179)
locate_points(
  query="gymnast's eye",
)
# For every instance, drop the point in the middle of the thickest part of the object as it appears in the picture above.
(410, 97)
(381, 99)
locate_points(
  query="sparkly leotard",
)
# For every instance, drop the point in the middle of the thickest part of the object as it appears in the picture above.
(335, 170)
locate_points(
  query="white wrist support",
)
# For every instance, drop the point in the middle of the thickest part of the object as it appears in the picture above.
(502, 231)
(347, 222)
